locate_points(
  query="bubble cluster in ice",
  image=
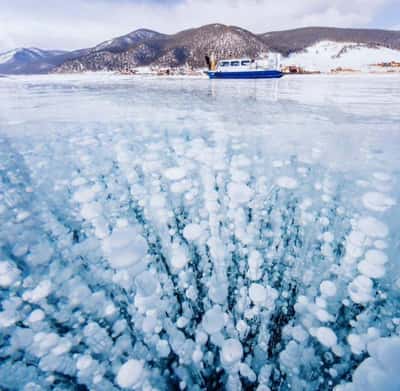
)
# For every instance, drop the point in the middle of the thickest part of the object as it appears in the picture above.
(172, 260)
(360, 289)
(373, 264)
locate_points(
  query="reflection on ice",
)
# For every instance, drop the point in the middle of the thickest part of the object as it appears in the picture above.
(166, 234)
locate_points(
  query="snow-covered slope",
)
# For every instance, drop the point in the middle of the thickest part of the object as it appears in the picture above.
(327, 55)
(7, 56)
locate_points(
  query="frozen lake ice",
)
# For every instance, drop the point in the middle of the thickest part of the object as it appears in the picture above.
(181, 233)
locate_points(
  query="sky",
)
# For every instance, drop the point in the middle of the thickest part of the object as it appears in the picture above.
(73, 24)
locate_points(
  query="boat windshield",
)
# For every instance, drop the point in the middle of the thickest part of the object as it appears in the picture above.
(224, 64)
(246, 62)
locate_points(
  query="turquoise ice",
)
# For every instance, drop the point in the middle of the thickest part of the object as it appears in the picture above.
(178, 233)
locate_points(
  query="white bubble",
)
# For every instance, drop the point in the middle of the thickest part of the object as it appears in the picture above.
(370, 226)
(213, 320)
(192, 232)
(373, 264)
(287, 182)
(130, 374)
(378, 202)
(175, 173)
(257, 293)
(179, 259)
(231, 352)
(42, 290)
(328, 288)
(124, 247)
(326, 336)
(360, 289)
(9, 274)
(239, 193)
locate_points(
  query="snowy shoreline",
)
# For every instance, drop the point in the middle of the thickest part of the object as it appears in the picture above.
(115, 75)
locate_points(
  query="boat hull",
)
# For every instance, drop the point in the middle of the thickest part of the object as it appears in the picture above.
(267, 74)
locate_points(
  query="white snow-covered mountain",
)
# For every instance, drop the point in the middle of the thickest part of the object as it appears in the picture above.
(313, 48)
(126, 41)
(20, 59)
(325, 56)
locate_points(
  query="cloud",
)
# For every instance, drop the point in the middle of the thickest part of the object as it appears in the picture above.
(83, 23)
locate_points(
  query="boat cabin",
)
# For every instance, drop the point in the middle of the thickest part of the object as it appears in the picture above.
(243, 68)
(241, 63)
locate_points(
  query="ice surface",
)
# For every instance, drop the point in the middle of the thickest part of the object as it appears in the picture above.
(162, 234)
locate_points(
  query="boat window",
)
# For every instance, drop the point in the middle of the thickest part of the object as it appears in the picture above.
(235, 63)
(246, 62)
(224, 64)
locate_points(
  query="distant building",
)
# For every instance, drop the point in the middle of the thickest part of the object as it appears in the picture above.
(292, 69)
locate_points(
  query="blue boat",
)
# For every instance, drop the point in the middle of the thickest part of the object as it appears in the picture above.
(243, 68)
